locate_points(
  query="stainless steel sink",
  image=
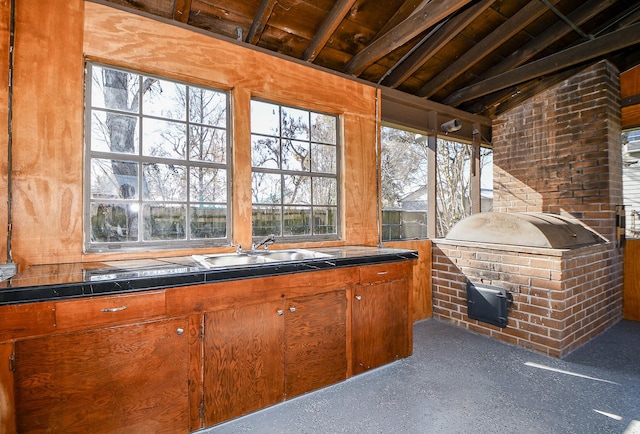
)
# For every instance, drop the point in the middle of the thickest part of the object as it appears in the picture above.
(256, 257)
(229, 260)
(292, 255)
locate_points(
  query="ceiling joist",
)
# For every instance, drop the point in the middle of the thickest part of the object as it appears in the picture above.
(584, 52)
(435, 43)
(329, 25)
(429, 14)
(499, 36)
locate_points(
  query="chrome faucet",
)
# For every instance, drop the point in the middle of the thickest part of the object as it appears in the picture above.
(269, 239)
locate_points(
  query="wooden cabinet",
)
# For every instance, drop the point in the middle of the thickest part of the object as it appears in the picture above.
(315, 342)
(131, 378)
(381, 327)
(181, 359)
(243, 360)
(261, 354)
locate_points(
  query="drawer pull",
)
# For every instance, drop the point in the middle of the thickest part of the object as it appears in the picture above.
(382, 273)
(113, 309)
(358, 297)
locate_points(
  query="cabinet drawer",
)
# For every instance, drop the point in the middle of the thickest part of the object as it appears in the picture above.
(106, 310)
(26, 320)
(384, 272)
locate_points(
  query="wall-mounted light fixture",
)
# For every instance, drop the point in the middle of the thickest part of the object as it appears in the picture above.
(451, 126)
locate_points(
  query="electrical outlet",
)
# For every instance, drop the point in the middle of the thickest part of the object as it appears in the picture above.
(8, 270)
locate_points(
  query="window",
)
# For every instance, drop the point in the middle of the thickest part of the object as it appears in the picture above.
(406, 205)
(156, 162)
(403, 165)
(453, 183)
(294, 158)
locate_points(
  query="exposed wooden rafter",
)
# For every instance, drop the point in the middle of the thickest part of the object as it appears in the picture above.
(429, 14)
(181, 9)
(508, 29)
(435, 43)
(551, 35)
(584, 52)
(328, 26)
(260, 21)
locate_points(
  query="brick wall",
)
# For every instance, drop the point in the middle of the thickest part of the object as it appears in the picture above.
(560, 153)
(561, 298)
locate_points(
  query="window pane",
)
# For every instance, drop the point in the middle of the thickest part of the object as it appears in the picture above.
(266, 220)
(207, 107)
(323, 128)
(265, 188)
(453, 185)
(297, 221)
(208, 184)
(324, 220)
(165, 182)
(323, 158)
(207, 144)
(175, 139)
(265, 152)
(325, 191)
(112, 132)
(208, 222)
(113, 222)
(297, 189)
(162, 222)
(295, 123)
(404, 183)
(265, 118)
(164, 99)
(113, 89)
(295, 155)
(114, 179)
(164, 139)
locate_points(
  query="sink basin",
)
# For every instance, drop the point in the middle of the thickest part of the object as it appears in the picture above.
(292, 255)
(229, 260)
(257, 257)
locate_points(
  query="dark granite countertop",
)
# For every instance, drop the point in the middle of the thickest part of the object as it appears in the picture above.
(64, 281)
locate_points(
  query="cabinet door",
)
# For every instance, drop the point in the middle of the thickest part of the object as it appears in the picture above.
(125, 379)
(243, 360)
(380, 315)
(315, 342)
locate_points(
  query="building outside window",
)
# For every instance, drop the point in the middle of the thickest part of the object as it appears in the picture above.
(295, 177)
(631, 181)
(157, 166)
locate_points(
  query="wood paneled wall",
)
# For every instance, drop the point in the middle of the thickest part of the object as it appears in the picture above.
(54, 38)
(630, 87)
(422, 302)
(631, 300)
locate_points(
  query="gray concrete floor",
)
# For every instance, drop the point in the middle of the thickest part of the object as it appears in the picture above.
(460, 382)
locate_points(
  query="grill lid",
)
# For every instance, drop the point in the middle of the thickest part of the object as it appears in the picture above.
(524, 229)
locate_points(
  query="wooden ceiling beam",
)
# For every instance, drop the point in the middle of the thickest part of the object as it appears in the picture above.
(429, 14)
(525, 16)
(434, 44)
(260, 21)
(589, 50)
(554, 33)
(181, 10)
(327, 28)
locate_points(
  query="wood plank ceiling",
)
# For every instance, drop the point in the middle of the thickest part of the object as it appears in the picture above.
(481, 56)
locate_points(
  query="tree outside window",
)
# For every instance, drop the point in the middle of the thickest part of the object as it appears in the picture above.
(156, 161)
(294, 158)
